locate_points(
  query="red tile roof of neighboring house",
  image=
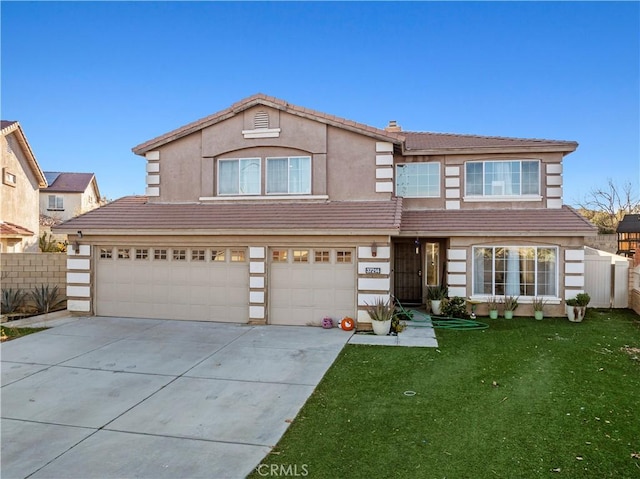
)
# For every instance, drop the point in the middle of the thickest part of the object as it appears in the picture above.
(528, 222)
(68, 182)
(11, 229)
(135, 213)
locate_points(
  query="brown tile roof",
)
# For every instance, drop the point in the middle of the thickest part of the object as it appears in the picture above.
(444, 141)
(10, 229)
(413, 142)
(135, 213)
(261, 99)
(6, 123)
(563, 221)
(68, 182)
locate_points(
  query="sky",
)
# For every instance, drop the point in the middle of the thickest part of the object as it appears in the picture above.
(88, 81)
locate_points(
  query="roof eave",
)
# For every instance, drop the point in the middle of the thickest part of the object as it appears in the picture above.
(88, 232)
(568, 148)
(26, 147)
(506, 233)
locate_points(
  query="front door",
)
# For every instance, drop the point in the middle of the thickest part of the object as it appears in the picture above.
(408, 272)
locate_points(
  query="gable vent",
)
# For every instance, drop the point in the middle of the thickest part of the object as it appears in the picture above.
(261, 120)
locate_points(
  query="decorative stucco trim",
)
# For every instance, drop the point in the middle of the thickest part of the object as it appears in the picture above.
(384, 147)
(261, 133)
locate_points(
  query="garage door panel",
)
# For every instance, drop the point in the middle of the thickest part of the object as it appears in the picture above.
(304, 293)
(168, 289)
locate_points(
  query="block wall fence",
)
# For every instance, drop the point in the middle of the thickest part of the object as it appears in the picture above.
(27, 271)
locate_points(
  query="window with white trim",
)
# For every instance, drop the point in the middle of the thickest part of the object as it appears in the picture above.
(502, 178)
(289, 175)
(515, 271)
(56, 203)
(239, 176)
(418, 180)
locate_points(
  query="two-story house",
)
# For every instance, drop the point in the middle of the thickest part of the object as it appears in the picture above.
(21, 180)
(267, 212)
(68, 195)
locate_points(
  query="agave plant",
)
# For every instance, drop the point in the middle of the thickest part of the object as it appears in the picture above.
(46, 298)
(12, 300)
(381, 310)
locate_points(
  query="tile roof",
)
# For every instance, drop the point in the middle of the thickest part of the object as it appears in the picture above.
(68, 182)
(135, 213)
(477, 222)
(11, 229)
(261, 99)
(437, 141)
(629, 224)
(413, 142)
(6, 123)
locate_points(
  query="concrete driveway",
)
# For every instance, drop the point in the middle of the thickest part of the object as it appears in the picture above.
(123, 398)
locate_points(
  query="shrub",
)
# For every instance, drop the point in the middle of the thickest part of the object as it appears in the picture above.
(47, 299)
(455, 307)
(12, 300)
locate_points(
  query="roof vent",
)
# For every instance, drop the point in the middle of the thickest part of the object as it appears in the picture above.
(393, 126)
(261, 120)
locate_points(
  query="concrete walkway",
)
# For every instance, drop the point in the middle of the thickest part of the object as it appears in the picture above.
(415, 335)
(122, 398)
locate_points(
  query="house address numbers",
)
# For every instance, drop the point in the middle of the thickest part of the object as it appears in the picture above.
(373, 270)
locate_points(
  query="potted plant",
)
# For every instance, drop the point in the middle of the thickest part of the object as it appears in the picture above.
(381, 313)
(538, 307)
(492, 305)
(435, 295)
(577, 307)
(510, 305)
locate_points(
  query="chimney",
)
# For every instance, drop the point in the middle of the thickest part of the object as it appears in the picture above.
(393, 126)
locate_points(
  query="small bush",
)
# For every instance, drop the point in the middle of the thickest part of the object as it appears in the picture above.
(47, 299)
(12, 300)
(455, 307)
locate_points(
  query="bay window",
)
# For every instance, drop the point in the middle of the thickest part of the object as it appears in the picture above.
(502, 178)
(515, 271)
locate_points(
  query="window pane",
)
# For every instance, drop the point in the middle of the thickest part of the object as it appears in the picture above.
(300, 175)
(277, 175)
(123, 253)
(483, 271)
(279, 256)
(160, 254)
(343, 256)
(142, 253)
(502, 178)
(418, 180)
(237, 255)
(322, 256)
(474, 178)
(300, 256)
(217, 255)
(530, 178)
(197, 255)
(179, 254)
(547, 272)
(250, 176)
(228, 177)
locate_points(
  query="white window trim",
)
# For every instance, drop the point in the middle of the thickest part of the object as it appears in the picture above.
(236, 195)
(55, 201)
(395, 184)
(261, 133)
(522, 299)
(264, 197)
(288, 158)
(521, 197)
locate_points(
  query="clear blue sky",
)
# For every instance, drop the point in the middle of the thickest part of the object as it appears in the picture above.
(88, 81)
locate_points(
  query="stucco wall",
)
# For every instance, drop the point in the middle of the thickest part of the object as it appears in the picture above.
(19, 202)
(27, 271)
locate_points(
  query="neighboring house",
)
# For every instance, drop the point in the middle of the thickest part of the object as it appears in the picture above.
(628, 235)
(267, 212)
(68, 195)
(21, 180)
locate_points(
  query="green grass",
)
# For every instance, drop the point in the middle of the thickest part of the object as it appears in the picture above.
(7, 333)
(522, 399)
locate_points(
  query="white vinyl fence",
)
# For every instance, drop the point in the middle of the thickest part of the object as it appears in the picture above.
(606, 279)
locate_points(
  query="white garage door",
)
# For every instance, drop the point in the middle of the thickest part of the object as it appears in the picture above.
(308, 284)
(200, 284)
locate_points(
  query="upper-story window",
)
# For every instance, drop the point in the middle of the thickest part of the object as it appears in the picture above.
(239, 176)
(502, 178)
(418, 180)
(56, 203)
(291, 175)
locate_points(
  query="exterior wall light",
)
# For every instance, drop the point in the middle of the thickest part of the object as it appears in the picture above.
(374, 249)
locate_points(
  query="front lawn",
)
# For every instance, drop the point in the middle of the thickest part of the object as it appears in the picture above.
(7, 333)
(522, 399)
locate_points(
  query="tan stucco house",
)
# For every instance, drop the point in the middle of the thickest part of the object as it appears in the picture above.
(68, 195)
(21, 180)
(267, 212)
